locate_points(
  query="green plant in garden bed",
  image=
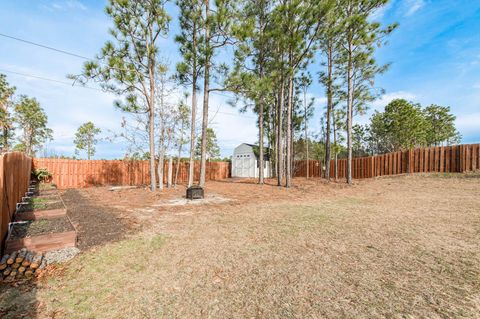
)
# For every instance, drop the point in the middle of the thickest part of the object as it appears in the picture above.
(42, 175)
(42, 204)
(39, 200)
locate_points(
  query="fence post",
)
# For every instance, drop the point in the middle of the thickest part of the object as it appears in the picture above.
(409, 162)
(372, 166)
(462, 159)
(474, 157)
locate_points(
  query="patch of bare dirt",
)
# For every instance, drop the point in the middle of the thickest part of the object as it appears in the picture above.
(97, 222)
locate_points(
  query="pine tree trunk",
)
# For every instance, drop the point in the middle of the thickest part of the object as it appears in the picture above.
(335, 143)
(288, 181)
(28, 146)
(177, 167)
(151, 138)
(170, 172)
(161, 159)
(274, 144)
(280, 135)
(206, 91)
(191, 167)
(349, 113)
(329, 113)
(151, 119)
(260, 144)
(306, 128)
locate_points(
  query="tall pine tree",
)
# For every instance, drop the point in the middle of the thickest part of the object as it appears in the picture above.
(128, 65)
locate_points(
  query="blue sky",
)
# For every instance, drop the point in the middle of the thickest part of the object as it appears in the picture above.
(435, 56)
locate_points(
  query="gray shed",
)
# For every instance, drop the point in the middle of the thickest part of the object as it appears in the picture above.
(245, 162)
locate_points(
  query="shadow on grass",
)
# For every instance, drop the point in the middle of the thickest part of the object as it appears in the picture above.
(18, 300)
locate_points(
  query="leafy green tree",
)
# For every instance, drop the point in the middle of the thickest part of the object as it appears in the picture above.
(213, 150)
(189, 69)
(360, 140)
(137, 156)
(32, 121)
(128, 65)
(400, 127)
(85, 139)
(441, 126)
(6, 120)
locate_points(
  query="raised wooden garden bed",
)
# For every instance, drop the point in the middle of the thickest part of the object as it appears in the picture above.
(46, 189)
(41, 235)
(40, 214)
(41, 203)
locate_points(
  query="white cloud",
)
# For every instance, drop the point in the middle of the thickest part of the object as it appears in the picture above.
(380, 103)
(476, 85)
(380, 13)
(65, 5)
(468, 123)
(232, 128)
(413, 6)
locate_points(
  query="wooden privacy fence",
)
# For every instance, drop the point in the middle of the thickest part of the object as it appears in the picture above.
(15, 169)
(455, 159)
(84, 173)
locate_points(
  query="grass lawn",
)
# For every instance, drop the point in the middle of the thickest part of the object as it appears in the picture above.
(403, 247)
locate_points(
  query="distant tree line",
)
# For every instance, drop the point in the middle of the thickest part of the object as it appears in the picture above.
(404, 125)
(23, 122)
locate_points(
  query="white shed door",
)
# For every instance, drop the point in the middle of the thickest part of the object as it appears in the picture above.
(244, 166)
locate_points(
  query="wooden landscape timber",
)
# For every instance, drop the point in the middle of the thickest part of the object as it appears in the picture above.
(29, 265)
(22, 248)
(41, 214)
(43, 243)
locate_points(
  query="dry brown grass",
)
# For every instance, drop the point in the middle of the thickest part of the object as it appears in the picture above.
(403, 247)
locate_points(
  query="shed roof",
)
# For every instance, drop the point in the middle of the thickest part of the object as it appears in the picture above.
(256, 150)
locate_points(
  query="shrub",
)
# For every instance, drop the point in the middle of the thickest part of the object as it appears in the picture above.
(42, 175)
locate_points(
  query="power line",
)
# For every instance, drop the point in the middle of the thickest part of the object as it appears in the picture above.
(45, 46)
(233, 114)
(62, 51)
(96, 89)
(79, 56)
(52, 80)
(85, 58)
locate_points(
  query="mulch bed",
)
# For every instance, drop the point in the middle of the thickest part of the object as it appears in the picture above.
(40, 227)
(95, 224)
